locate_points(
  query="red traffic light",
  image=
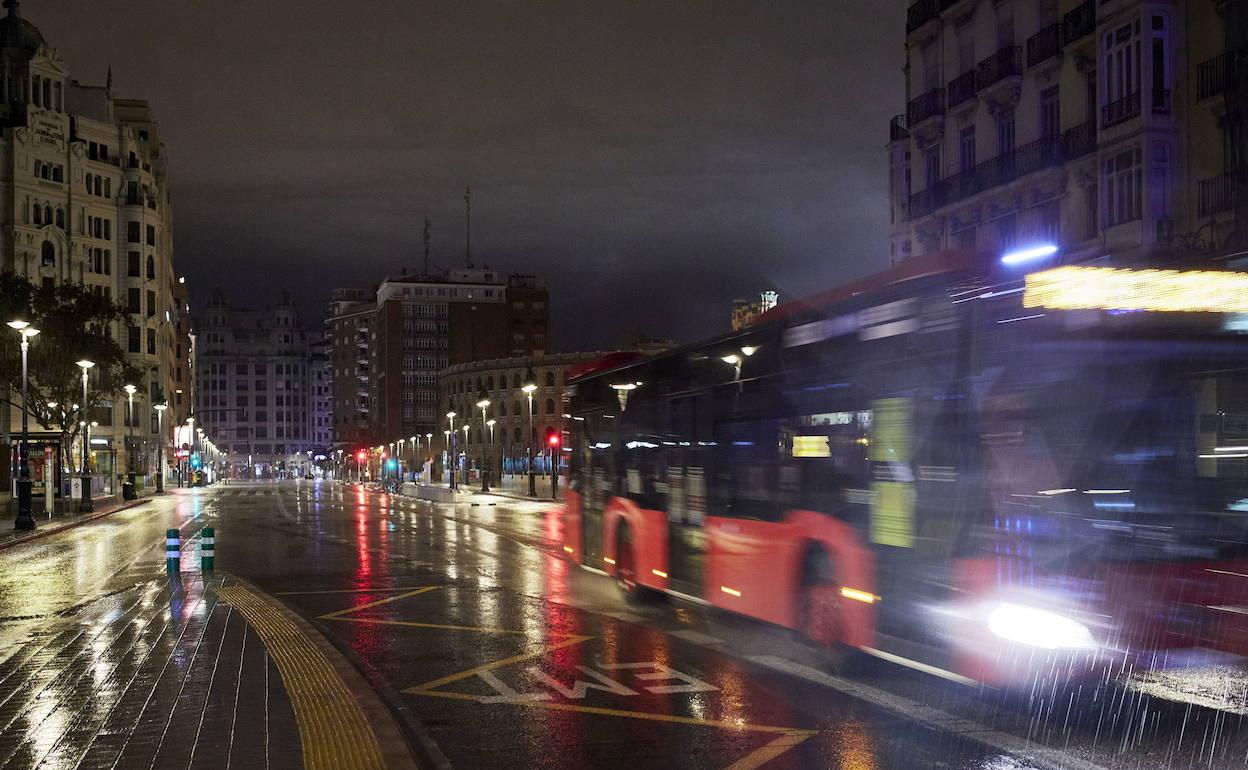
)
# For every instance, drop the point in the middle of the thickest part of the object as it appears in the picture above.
(360, 455)
(552, 437)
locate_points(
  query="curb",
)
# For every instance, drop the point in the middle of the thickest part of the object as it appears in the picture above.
(522, 498)
(398, 750)
(22, 539)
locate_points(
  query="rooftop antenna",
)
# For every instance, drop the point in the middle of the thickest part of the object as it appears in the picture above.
(468, 227)
(426, 243)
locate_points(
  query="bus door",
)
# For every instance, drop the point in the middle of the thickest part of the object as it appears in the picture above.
(686, 497)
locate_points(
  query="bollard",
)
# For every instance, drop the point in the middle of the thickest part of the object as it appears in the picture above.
(207, 549)
(173, 551)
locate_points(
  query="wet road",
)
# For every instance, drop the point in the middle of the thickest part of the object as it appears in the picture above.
(495, 652)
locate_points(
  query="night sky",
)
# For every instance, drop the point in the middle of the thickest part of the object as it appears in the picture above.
(651, 160)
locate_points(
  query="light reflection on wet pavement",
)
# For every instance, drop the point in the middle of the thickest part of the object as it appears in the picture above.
(483, 638)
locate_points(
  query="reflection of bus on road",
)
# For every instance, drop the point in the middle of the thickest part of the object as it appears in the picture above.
(938, 467)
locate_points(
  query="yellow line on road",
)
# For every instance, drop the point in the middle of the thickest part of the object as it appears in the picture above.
(787, 737)
(332, 728)
(349, 591)
(435, 626)
(571, 640)
(379, 602)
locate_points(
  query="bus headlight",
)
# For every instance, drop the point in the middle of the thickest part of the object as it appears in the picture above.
(1039, 628)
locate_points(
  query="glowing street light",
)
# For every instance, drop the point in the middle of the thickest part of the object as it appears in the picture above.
(128, 490)
(25, 518)
(84, 505)
(529, 388)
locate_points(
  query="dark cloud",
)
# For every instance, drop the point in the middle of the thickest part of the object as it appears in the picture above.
(651, 160)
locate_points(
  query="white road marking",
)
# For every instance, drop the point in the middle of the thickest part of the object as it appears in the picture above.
(697, 637)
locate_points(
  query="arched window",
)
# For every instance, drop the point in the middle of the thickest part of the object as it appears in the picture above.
(550, 406)
(38, 168)
(502, 408)
(48, 254)
(550, 379)
(151, 267)
(47, 214)
(56, 174)
(60, 218)
(517, 406)
(45, 171)
(47, 94)
(517, 439)
(37, 215)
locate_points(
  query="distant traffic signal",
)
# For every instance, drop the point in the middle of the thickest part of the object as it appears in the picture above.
(359, 456)
(552, 437)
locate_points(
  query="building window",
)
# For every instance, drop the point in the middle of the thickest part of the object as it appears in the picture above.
(151, 235)
(151, 268)
(132, 264)
(550, 406)
(133, 301)
(1122, 64)
(1005, 132)
(151, 342)
(47, 254)
(60, 218)
(931, 165)
(132, 335)
(151, 304)
(134, 232)
(966, 148)
(1050, 114)
(1123, 183)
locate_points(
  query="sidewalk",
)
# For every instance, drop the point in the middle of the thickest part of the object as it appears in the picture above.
(191, 674)
(517, 487)
(59, 521)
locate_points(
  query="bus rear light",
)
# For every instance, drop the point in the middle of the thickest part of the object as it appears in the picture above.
(730, 591)
(659, 573)
(859, 596)
(608, 560)
(567, 549)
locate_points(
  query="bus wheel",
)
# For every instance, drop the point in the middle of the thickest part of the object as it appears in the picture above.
(820, 621)
(626, 567)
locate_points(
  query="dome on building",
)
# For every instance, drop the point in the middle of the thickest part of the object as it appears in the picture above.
(16, 32)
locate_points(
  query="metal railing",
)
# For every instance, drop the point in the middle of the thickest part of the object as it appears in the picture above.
(920, 12)
(1219, 193)
(1079, 22)
(1044, 44)
(925, 106)
(1215, 75)
(1079, 141)
(993, 172)
(897, 129)
(962, 88)
(1120, 110)
(1005, 63)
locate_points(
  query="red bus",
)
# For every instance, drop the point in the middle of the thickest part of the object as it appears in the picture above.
(948, 465)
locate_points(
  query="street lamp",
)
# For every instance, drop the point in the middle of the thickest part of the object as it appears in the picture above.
(160, 447)
(529, 387)
(25, 519)
(490, 424)
(483, 403)
(84, 505)
(450, 447)
(128, 491)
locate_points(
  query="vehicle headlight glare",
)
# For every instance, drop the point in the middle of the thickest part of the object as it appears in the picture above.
(1039, 628)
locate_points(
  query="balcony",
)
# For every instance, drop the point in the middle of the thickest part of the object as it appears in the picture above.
(1120, 110)
(962, 89)
(1079, 23)
(897, 129)
(925, 106)
(1215, 76)
(921, 12)
(1079, 141)
(1219, 193)
(1161, 101)
(1003, 169)
(1044, 44)
(1007, 62)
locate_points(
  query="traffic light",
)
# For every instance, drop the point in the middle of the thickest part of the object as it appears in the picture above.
(552, 437)
(359, 456)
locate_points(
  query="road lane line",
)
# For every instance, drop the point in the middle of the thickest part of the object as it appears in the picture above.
(332, 727)
(349, 591)
(435, 626)
(775, 748)
(571, 640)
(379, 602)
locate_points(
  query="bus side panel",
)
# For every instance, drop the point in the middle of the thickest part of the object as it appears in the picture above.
(570, 515)
(649, 538)
(751, 567)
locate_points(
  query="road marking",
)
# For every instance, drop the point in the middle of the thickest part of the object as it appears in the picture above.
(436, 626)
(932, 718)
(765, 754)
(379, 602)
(697, 637)
(436, 683)
(348, 591)
(924, 667)
(332, 727)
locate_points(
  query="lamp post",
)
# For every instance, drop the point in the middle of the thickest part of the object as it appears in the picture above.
(483, 403)
(25, 519)
(530, 386)
(160, 447)
(128, 491)
(450, 447)
(490, 424)
(84, 505)
(190, 422)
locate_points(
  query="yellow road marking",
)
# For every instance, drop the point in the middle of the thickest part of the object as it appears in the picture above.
(348, 591)
(436, 626)
(379, 602)
(332, 728)
(764, 754)
(571, 640)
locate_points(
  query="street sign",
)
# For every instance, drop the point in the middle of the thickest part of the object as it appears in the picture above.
(182, 453)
